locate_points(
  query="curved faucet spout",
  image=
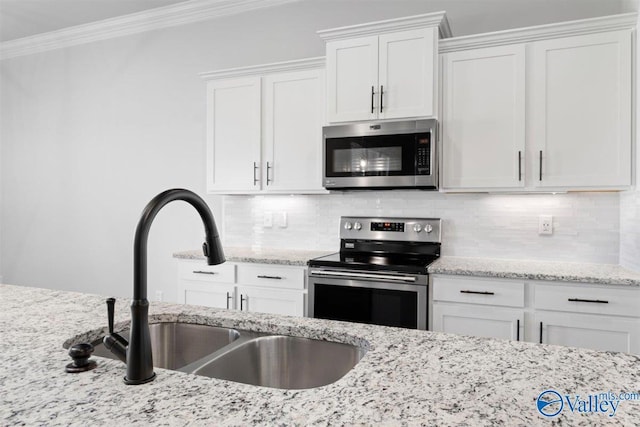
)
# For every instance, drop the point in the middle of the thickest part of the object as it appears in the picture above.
(212, 248)
(139, 359)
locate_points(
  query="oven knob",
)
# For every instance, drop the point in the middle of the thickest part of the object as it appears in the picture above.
(428, 228)
(357, 226)
(417, 228)
(347, 225)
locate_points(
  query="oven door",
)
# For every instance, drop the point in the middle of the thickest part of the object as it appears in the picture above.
(386, 299)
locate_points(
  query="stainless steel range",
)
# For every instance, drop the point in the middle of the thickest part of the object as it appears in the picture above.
(380, 274)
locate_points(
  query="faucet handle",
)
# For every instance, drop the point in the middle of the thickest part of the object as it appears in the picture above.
(111, 304)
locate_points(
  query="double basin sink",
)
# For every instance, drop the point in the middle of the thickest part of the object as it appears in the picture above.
(248, 357)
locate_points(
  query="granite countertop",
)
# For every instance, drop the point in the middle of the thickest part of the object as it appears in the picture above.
(604, 274)
(296, 257)
(406, 377)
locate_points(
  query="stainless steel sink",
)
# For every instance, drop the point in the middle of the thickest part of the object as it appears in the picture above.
(246, 356)
(175, 345)
(283, 362)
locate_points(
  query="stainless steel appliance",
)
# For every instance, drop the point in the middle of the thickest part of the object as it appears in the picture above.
(381, 155)
(380, 274)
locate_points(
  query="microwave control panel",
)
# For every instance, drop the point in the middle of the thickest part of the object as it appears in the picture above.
(423, 154)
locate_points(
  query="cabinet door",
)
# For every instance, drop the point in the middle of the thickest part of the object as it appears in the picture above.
(581, 111)
(293, 112)
(352, 79)
(219, 295)
(269, 300)
(603, 333)
(233, 135)
(483, 118)
(478, 320)
(407, 73)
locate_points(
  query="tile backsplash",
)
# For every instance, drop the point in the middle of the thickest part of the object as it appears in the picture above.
(586, 226)
(630, 229)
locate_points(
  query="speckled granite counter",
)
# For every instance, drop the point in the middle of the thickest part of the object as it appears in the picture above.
(407, 377)
(604, 274)
(263, 256)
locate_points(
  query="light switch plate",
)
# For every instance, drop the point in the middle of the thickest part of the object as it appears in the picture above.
(281, 219)
(267, 221)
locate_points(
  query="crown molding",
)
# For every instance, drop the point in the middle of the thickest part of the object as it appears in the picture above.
(436, 19)
(153, 19)
(540, 32)
(258, 70)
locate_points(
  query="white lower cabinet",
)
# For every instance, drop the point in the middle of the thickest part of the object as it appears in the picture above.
(271, 300)
(478, 320)
(478, 307)
(274, 289)
(599, 317)
(604, 333)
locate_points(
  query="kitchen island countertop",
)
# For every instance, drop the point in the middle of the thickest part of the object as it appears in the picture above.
(602, 274)
(406, 377)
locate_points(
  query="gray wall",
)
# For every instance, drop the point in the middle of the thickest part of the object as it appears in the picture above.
(90, 134)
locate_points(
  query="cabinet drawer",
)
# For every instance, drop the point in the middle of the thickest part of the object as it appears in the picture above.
(271, 276)
(587, 299)
(223, 273)
(479, 291)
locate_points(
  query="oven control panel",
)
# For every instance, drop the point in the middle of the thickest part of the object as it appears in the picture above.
(393, 229)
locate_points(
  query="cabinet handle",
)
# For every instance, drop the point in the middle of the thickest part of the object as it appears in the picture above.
(269, 277)
(519, 165)
(373, 93)
(540, 332)
(540, 179)
(517, 329)
(269, 167)
(255, 179)
(228, 298)
(598, 301)
(204, 272)
(477, 292)
(381, 96)
(242, 300)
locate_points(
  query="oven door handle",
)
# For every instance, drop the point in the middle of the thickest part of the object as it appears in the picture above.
(320, 273)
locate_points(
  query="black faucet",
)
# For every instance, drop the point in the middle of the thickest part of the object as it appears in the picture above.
(137, 352)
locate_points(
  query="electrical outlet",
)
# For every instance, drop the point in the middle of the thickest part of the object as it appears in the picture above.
(281, 219)
(267, 221)
(159, 295)
(545, 224)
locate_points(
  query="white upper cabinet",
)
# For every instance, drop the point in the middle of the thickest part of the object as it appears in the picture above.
(383, 70)
(352, 79)
(581, 110)
(293, 117)
(407, 73)
(233, 134)
(483, 118)
(539, 109)
(264, 128)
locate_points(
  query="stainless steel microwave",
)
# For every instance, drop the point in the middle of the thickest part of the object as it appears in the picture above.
(381, 155)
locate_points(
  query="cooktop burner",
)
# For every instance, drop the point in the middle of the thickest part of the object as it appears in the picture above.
(376, 262)
(406, 245)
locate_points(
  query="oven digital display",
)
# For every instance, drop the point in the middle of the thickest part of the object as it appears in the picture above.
(388, 226)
